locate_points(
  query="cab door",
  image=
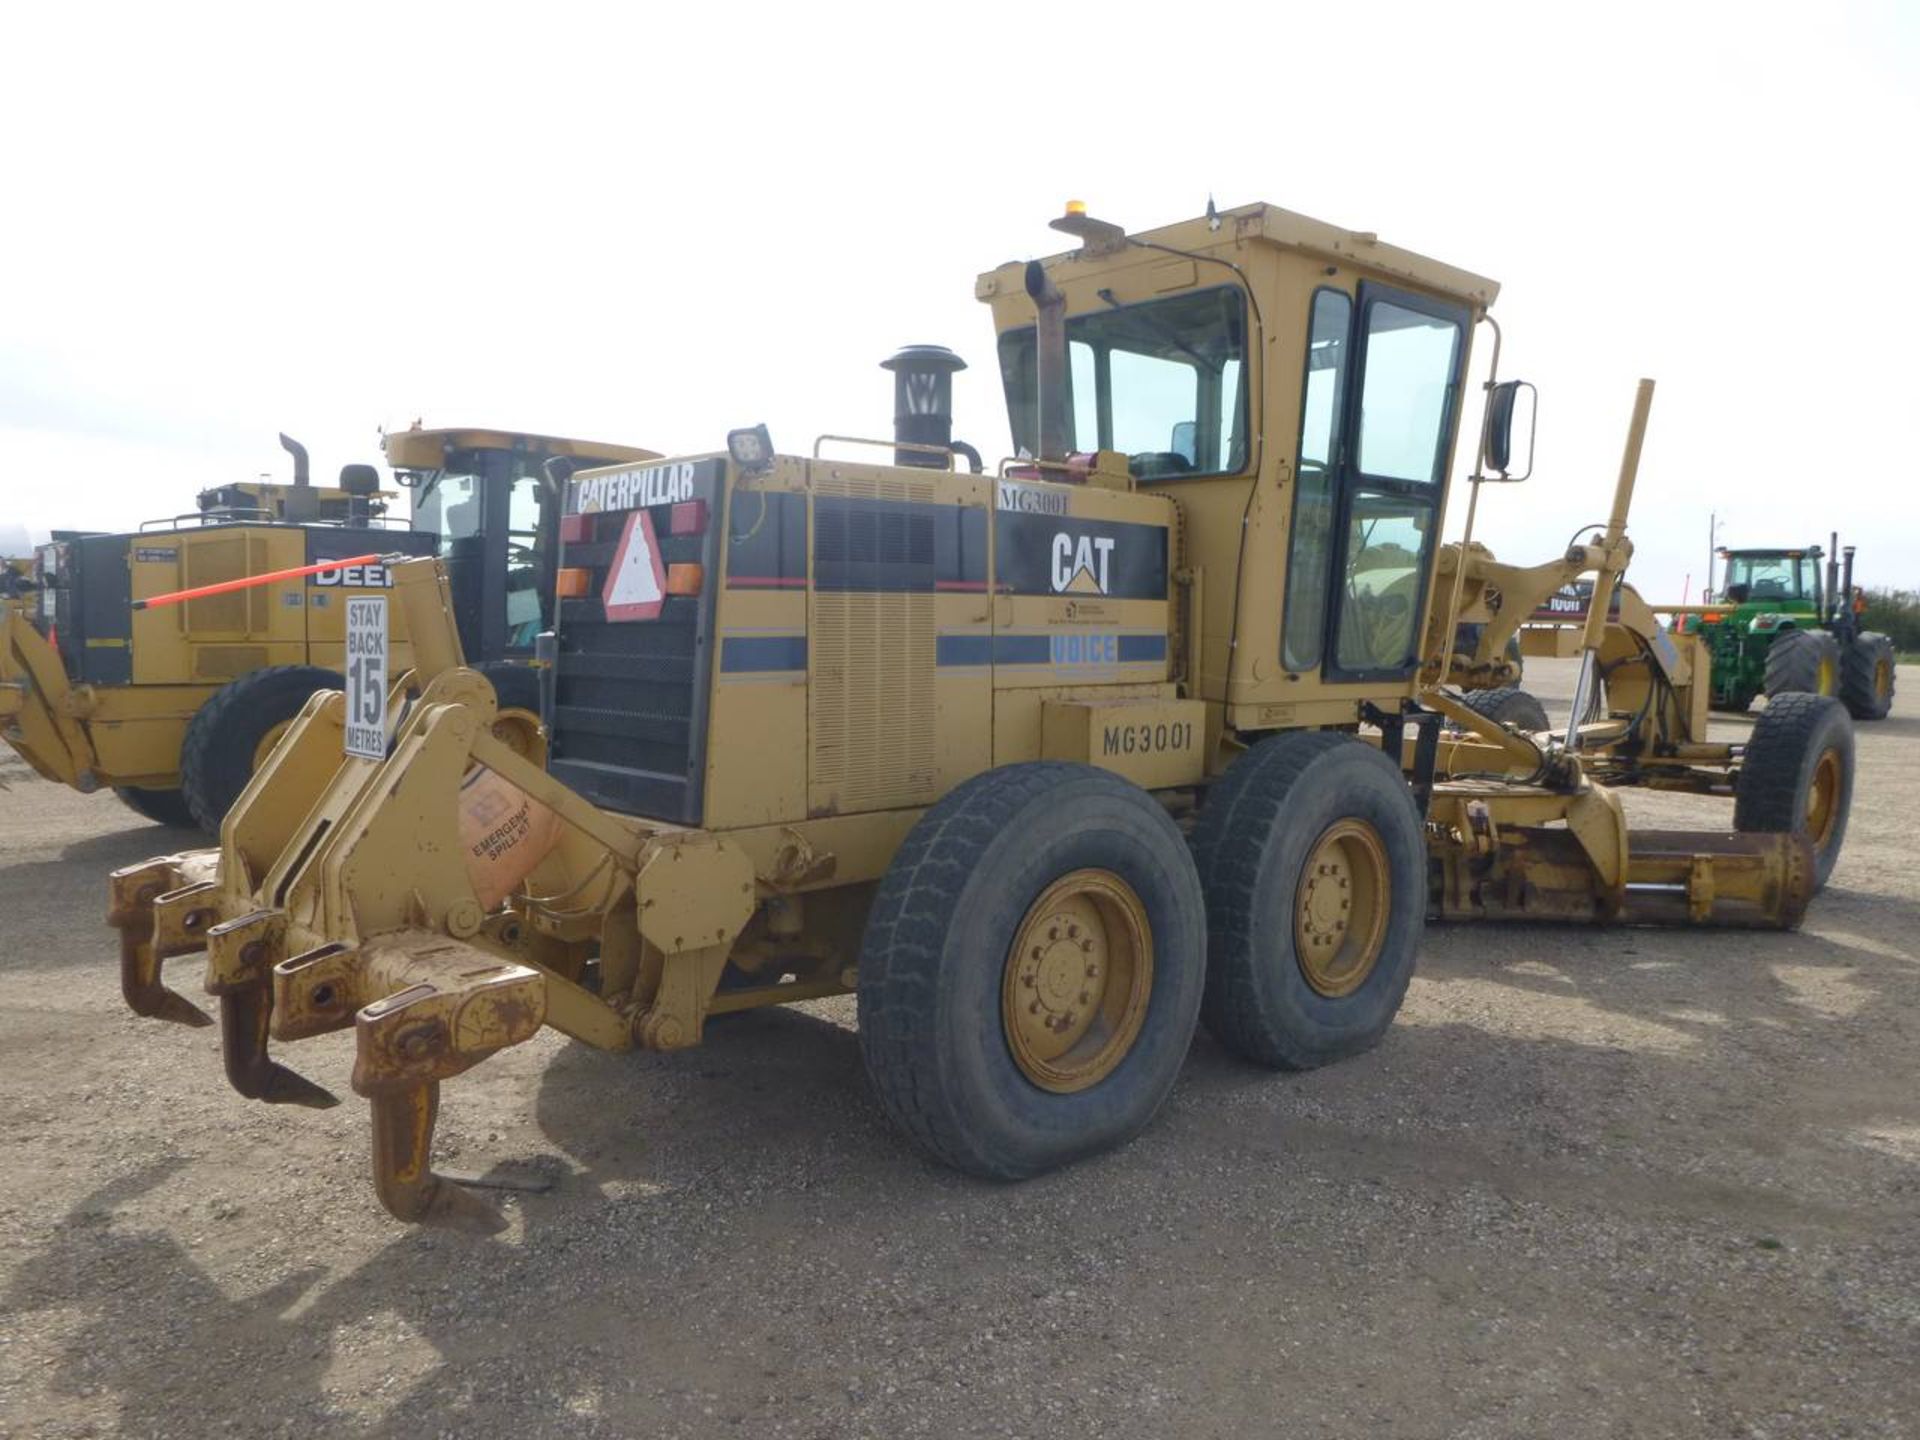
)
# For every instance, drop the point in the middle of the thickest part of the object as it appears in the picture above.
(1382, 400)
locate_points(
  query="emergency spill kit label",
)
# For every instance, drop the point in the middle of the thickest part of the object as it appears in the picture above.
(366, 731)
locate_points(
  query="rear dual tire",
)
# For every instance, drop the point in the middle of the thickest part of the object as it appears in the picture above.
(1804, 662)
(1866, 676)
(1315, 867)
(1043, 944)
(1032, 968)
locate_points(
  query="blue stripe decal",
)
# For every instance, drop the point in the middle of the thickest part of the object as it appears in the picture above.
(1021, 650)
(762, 652)
(963, 650)
(1136, 648)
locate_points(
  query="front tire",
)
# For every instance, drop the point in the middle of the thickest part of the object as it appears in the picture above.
(232, 734)
(1031, 972)
(1315, 868)
(1798, 775)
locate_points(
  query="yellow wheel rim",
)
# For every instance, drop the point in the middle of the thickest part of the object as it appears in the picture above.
(519, 731)
(1823, 683)
(1340, 909)
(1074, 994)
(268, 741)
(1823, 798)
(1882, 679)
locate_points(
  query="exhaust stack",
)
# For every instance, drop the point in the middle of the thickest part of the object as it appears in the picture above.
(1050, 363)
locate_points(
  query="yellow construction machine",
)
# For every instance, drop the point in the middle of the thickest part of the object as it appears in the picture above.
(174, 707)
(1161, 722)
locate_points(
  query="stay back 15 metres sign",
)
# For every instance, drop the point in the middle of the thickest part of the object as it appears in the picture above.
(367, 676)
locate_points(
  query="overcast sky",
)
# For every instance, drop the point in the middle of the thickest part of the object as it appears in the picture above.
(652, 225)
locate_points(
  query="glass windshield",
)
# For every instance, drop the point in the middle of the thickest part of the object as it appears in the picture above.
(1163, 382)
(1770, 577)
(1386, 563)
(450, 508)
(1403, 402)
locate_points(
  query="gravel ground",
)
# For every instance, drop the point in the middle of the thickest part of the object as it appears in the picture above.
(1626, 1183)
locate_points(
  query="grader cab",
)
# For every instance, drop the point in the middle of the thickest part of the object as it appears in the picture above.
(1153, 724)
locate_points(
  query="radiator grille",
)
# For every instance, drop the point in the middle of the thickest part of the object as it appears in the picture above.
(626, 705)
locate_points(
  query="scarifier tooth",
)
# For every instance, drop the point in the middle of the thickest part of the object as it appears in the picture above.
(241, 956)
(428, 1008)
(134, 893)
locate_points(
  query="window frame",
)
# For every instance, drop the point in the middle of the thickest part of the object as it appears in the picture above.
(1332, 467)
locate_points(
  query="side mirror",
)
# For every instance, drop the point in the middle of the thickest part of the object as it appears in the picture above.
(1504, 403)
(1185, 440)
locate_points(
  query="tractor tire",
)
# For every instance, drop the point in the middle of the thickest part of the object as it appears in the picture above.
(230, 735)
(1803, 662)
(1798, 775)
(1866, 677)
(517, 689)
(1031, 972)
(163, 807)
(1509, 705)
(1299, 974)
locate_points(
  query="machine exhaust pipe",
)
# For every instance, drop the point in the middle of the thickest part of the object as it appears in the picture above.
(1050, 363)
(299, 452)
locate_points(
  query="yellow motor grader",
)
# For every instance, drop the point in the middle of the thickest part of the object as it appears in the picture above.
(1154, 725)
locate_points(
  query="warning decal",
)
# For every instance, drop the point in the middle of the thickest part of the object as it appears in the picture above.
(636, 582)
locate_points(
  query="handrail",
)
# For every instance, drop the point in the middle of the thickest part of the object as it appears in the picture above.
(941, 450)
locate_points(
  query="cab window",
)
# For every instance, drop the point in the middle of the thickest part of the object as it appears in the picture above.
(1164, 382)
(1773, 577)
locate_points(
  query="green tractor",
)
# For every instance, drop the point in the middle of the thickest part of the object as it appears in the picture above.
(1780, 623)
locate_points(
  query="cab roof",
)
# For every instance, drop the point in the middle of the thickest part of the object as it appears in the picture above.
(1269, 224)
(419, 449)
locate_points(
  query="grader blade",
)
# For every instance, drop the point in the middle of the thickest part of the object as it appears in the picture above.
(1704, 877)
(1671, 877)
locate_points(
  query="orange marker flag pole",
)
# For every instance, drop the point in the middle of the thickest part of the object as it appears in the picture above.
(248, 582)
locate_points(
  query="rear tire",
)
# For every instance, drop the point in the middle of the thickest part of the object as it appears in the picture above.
(1866, 677)
(967, 960)
(1803, 662)
(1509, 705)
(226, 737)
(1798, 775)
(1297, 977)
(163, 807)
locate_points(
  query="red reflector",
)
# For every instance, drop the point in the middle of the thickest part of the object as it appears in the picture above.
(574, 529)
(689, 518)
